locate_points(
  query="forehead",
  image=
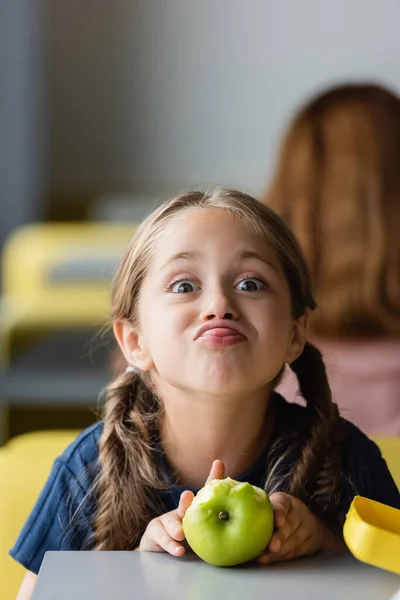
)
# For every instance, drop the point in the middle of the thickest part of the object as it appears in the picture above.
(200, 229)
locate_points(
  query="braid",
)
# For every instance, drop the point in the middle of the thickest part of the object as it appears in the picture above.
(317, 475)
(128, 469)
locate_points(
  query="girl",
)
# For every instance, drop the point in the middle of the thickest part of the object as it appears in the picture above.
(337, 185)
(210, 302)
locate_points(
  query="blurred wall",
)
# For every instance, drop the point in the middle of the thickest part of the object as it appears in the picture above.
(155, 95)
(22, 114)
(158, 94)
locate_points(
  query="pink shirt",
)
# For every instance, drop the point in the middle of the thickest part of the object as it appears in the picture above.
(365, 381)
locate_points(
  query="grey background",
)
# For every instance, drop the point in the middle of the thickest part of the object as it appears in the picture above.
(157, 95)
(23, 154)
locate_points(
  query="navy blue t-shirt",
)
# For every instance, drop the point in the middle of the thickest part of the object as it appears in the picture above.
(62, 516)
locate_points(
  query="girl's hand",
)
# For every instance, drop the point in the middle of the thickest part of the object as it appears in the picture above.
(298, 531)
(164, 533)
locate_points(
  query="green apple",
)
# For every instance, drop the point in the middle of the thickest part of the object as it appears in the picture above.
(229, 522)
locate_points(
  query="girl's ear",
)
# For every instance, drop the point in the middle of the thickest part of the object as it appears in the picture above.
(132, 345)
(298, 337)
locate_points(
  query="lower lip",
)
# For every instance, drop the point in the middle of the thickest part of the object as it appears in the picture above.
(221, 337)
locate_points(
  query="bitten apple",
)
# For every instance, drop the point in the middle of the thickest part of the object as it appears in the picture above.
(229, 522)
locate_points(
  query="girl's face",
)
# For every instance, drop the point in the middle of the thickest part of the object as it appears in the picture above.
(214, 309)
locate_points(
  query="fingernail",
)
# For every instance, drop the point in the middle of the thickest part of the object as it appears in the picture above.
(178, 535)
(276, 546)
(178, 548)
(264, 560)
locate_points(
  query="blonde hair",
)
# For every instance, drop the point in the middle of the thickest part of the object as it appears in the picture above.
(337, 186)
(129, 482)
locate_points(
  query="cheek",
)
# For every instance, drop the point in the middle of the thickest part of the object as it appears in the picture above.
(147, 321)
(276, 314)
(275, 327)
(162, 327)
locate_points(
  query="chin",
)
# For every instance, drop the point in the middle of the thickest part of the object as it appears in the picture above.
(212, 385)
(232, 373)
(223, 381)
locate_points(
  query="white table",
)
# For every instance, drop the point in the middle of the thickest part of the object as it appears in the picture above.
(151, 576)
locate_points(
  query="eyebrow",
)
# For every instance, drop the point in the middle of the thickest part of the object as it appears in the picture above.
(242, 255)
(192, 256)
(247, 254)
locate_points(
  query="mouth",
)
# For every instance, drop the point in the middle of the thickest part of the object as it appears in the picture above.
(220, 334)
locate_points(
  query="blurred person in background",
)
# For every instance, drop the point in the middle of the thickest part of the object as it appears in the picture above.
(337, 186)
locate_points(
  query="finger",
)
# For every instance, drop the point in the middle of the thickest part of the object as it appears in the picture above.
(173, 526)
(299, 549)
(185, 501)
(156, 539)
(217, 471)
(287, 548)
(275, 543)
(281, 504)
(296, 543)
(280, 538)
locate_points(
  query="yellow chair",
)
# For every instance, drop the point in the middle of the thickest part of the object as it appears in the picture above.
(57, 275)
(25, 463)
(55, 278)
(390, 448)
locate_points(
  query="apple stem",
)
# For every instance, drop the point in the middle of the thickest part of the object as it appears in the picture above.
(222, 515)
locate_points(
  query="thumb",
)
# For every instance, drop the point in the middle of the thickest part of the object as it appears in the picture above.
(184, 502)
(281, 503)
(217, 471)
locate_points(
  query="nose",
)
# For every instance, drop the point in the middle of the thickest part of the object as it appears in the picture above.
(218, 305)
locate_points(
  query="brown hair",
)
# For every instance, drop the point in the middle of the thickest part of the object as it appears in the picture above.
(129, 479)
(337, 186)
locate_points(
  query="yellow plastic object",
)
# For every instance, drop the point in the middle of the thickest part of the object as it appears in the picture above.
(372, 533)
(25, 463)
